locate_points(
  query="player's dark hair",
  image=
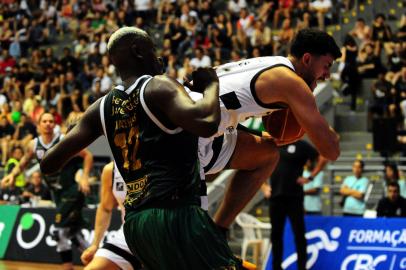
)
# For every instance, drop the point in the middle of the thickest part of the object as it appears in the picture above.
(315, 42)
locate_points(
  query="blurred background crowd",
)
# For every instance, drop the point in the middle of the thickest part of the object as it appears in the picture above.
(53, 55)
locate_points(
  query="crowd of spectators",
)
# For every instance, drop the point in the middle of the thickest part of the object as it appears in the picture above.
(53, 53)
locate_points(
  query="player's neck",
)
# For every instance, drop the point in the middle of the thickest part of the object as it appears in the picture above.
(47, 138)
(128, 81)
(296, 64)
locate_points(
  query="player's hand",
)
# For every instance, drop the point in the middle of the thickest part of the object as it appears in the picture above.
(302, 181)
(202, 77)
(7, 181)
(267, 191)
(84, 185)
(88, 254)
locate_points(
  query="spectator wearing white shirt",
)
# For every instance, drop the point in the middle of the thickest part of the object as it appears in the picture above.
(234, 7)
(200, 59)
(322, 8)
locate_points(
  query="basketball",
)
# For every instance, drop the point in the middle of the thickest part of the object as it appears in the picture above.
(282, 125)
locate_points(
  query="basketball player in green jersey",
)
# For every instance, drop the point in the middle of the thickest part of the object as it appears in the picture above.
(66, 193)
(152, 127)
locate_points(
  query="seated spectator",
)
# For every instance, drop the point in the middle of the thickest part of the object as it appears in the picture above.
(397, 59)
(36, 188)
(245, 28)
(369, 64)
(312, 189)
(322, 10)
(25, 131)
(382, 33)
(262, 38)
(200, 59)
(6, 133)
(284, 8)
(283, 39)
(353, 191)
(392, 175)
(379, 106)
(16, 154)
(234, 7)
(361, 31)
(392, 205)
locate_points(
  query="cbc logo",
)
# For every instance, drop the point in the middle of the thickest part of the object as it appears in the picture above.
(362, 262)
(26, 223)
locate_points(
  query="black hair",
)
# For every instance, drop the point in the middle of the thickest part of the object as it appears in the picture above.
(314, 41)
(394, 168)
(349, 40)
(393, 184)
(361, 163)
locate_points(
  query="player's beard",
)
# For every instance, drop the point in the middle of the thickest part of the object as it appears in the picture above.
(310, 80)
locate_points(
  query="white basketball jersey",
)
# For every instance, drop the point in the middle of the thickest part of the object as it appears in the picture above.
(119, 187)
(238, 100)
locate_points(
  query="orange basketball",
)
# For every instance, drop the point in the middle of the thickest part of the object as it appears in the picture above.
(282, 125)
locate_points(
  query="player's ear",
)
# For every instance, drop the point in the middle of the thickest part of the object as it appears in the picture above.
(306, 58)
(136, 52)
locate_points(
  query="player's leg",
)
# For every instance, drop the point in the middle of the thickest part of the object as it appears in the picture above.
(64, 247)
(114, 254)
(195, 242)
(255, 158)
(101, 263)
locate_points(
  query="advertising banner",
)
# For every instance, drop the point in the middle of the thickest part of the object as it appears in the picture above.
(31, 236)
(349, 243)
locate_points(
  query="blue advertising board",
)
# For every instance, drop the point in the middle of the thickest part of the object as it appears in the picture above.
(349, 243)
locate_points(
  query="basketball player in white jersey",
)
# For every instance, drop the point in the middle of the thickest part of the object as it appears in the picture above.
(254, 87)
(113, 255)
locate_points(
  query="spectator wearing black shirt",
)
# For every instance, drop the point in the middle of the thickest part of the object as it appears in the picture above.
(25, 131)
(393, 205)
(36, 188)
(6, 133)
(350, 74)
(286, 199)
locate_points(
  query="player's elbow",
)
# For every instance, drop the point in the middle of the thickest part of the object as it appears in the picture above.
(332, 155)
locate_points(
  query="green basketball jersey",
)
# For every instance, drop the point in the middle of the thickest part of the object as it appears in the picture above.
(66, 177)
(159, 165)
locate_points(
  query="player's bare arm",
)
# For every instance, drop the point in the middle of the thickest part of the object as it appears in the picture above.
(85, 132)
(169, 100)
(103, 213)
(288, 88)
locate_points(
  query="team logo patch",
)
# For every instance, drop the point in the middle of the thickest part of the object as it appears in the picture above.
(120, 186)
(40, 154)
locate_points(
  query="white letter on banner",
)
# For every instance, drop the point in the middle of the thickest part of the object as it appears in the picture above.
(394, 235)
(2, 226)
(379, 259)
(347, 261)
(353, 234)
(364, 262)
(403, 263)
(402, 238)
